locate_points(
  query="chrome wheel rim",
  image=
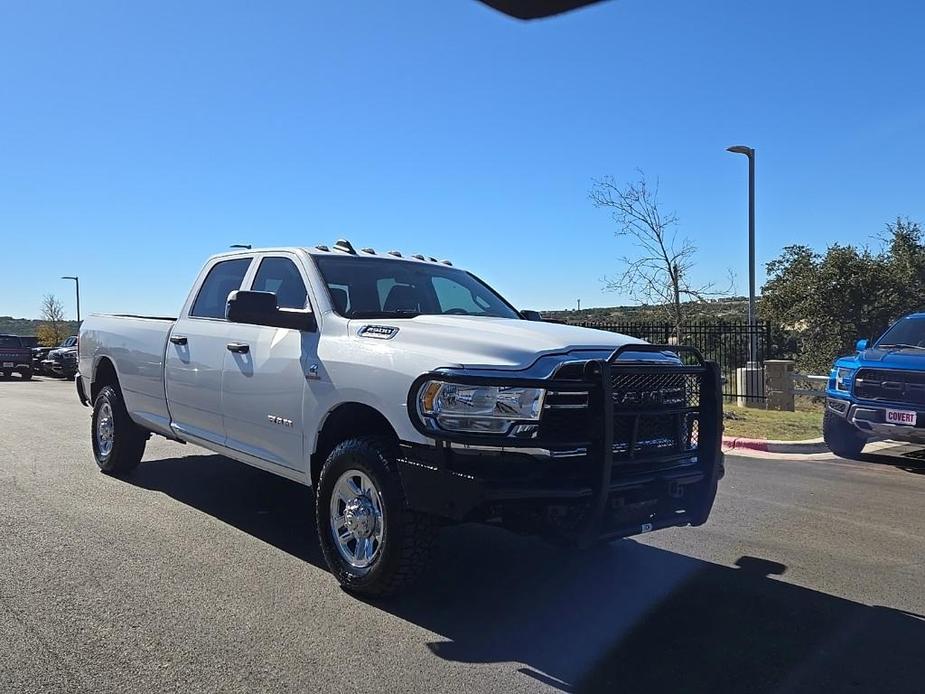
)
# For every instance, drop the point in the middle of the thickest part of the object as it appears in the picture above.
(105, 429)
(357, 520)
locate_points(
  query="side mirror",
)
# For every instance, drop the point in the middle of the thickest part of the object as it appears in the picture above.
(259, 308)
(861, 345)
(531, 315)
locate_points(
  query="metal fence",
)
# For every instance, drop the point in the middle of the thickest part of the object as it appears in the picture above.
(733, 345)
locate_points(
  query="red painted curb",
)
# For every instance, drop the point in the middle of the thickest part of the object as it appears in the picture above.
(737, 442)
(733, 443)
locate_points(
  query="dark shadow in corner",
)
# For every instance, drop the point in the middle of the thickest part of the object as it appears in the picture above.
(906, 457)
(627, 617)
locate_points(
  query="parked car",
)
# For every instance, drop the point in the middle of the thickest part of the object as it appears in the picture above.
(14, 357)
(39, 354)
(879, 391)
(409, 394)
(62, 361)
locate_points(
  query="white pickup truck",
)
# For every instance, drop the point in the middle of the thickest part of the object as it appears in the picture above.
(409, 394)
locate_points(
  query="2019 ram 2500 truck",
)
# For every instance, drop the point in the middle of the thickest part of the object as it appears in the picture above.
(409, 393)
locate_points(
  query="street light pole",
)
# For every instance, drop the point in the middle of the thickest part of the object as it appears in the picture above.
(77, 288)
(750, 153)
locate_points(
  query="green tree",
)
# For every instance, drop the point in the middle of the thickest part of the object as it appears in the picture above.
(825, 302)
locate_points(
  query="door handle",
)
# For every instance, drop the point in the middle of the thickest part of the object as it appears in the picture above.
(238, 347)
(178, 339)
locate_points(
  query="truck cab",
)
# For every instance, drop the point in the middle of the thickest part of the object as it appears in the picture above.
(879, 391)
(409, 394)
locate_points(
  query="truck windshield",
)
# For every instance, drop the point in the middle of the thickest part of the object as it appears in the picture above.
(382, 288)
(908, 333)
(10, 341)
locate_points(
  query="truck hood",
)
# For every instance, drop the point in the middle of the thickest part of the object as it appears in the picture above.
(474, 342)
(893, 358)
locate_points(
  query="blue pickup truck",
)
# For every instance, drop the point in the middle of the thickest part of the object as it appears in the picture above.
(879, 392)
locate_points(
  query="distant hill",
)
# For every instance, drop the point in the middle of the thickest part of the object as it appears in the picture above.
(730, 309)
(28, 326)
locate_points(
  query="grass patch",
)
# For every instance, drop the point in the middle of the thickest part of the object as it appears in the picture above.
(770, 424)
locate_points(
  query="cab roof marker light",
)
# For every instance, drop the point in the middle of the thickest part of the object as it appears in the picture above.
(395, 253)
(446, 262)
(322, 247)
(368, 250)
(433, 260)
(344, 246)
(418, 256)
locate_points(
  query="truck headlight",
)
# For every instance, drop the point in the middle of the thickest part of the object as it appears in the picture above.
(843, 379)
(478, 409)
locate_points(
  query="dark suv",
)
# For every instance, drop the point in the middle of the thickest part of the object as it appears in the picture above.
(14, 356)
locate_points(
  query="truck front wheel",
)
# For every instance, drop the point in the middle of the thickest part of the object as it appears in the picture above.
(842, 437)
(118, 443)
(372, 543)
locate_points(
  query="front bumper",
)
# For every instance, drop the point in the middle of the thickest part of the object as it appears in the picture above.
(16, 363)
(608, 488)
(870, 419)
(66, 367)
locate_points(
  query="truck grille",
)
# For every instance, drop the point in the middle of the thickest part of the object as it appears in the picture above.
(14, 356)
(656, 415)
(904, 387)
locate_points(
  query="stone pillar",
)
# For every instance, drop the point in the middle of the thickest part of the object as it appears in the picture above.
(749, 387)
(778, 384)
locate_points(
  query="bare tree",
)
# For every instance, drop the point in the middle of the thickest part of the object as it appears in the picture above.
(53, 328)
(659, 273)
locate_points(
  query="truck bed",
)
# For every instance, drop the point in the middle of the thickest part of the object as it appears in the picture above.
(136, 345)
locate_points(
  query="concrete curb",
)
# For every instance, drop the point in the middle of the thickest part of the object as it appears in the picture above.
(734, 443)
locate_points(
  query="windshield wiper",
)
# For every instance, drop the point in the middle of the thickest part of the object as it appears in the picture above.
(398, 313)
(901, 345)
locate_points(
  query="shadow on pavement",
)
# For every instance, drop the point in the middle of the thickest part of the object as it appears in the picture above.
(625, 617)
(906, 457)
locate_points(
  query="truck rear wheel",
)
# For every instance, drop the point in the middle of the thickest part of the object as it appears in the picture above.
(118, 443)
(842, 437)
(372, 543)
(26, 374)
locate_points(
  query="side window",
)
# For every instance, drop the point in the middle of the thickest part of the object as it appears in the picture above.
(281, 277)
(383, 287)
(340, 296)
(452, 296)
(223, 278)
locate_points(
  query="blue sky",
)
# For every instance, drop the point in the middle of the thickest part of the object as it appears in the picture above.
(138, 138)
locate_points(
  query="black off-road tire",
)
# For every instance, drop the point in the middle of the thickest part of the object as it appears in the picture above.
(26, 375)
(842, 437)
(408, 535)
(4, 375)
(128, 439)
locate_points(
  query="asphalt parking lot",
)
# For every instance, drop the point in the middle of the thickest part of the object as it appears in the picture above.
(201, 574)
